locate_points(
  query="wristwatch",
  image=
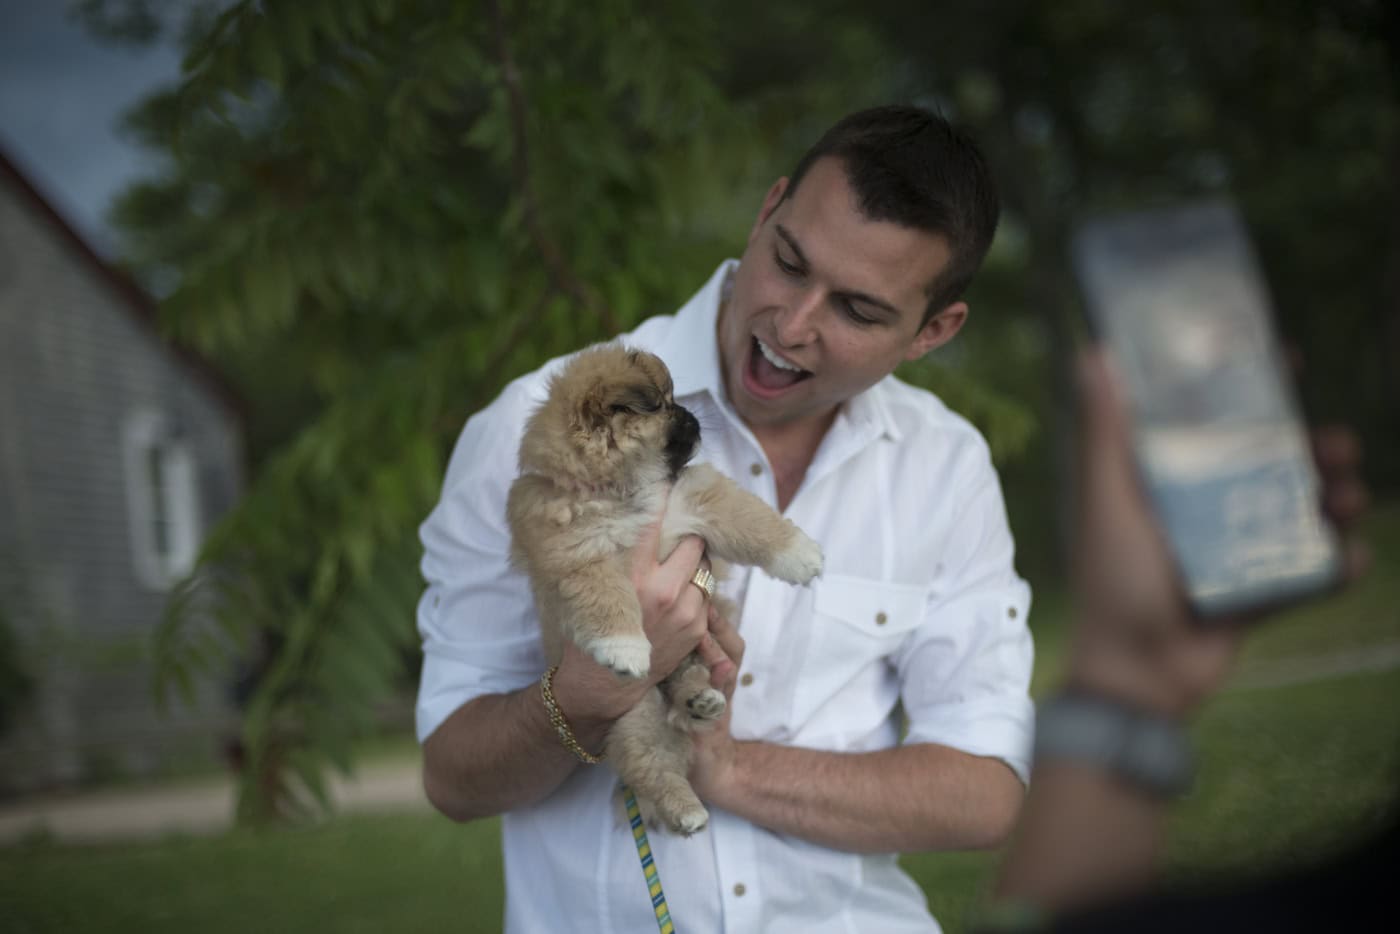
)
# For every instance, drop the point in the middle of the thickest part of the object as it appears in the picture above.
(1149, 751)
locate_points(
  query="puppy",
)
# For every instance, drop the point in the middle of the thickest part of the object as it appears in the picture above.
(600, 458)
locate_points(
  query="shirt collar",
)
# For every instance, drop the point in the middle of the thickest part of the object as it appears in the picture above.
(691, 353)
(691, 348)
(872, 408)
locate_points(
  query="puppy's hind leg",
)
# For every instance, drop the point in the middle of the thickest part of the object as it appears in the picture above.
(600, 611)
(653, 760)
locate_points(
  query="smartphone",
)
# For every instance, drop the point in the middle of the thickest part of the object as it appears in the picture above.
(1178, 297)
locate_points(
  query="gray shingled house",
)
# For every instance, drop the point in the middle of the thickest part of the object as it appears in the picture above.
(117, 453)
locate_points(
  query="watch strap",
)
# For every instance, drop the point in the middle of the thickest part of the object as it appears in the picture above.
(1148, 750)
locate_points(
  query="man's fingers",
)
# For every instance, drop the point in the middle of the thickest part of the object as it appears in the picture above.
(727, 636)
(648, 540)
(1356, 560)
(676, 573)
(1104, 419)
(723, 671)
(680, 566)
(1108, 474)
(1337, 449)
(1345, 502)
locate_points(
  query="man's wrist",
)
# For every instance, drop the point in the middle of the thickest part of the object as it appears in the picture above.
(592, 700)
(560, 723)
(1121, 676)
(723, 783)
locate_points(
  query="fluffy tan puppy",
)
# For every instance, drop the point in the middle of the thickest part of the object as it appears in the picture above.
(600, 458)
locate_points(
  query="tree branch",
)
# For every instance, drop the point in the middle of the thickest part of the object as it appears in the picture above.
(487, 384)
(560, 274)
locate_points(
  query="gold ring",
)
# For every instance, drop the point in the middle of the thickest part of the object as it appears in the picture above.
(703, 579)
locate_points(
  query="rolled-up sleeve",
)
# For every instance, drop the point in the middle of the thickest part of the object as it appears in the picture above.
(476, 616)
(965, 670)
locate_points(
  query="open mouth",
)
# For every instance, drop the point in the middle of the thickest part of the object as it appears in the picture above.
(768, 374)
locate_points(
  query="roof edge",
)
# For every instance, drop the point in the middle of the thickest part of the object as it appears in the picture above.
(138, 302)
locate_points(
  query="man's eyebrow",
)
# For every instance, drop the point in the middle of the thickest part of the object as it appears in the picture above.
(853, 296)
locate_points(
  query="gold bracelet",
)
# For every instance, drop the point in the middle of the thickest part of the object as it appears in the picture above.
(561, 726)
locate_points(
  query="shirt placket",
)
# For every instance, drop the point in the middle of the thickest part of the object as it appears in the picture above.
(736, 859)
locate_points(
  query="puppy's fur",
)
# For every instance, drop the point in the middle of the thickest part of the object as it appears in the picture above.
(598, 460)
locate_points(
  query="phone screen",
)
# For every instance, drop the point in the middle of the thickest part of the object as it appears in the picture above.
(1179, 299)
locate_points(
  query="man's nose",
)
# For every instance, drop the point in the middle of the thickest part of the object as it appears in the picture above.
(796, 323)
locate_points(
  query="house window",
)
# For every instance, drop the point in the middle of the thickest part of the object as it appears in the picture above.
(162, 498)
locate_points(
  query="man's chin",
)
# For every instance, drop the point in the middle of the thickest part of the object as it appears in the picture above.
(761, 412)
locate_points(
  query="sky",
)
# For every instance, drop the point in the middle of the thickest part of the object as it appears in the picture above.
(62, 95)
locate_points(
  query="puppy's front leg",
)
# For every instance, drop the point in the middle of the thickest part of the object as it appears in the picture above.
(603, 616)
(738, 526)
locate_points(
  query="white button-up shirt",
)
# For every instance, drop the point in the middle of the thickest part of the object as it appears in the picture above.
(918, 610)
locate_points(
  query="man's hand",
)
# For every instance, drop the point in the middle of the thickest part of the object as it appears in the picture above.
(675, 611)
(1136, 638)
(674, 617)
(722, 650)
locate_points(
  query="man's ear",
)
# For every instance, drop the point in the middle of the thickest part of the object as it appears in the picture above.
(938, 330)
(770, 204)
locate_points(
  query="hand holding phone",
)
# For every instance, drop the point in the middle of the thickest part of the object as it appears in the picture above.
(1177, 297)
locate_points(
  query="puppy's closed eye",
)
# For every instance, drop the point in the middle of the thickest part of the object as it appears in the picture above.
(638, 401)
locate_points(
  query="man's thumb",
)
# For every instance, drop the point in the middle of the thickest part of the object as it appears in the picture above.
(1103, 420)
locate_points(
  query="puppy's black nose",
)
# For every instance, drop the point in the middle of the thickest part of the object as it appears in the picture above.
(682, 439)
(689, 425)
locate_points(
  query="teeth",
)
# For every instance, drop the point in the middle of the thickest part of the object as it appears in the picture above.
(776, 360)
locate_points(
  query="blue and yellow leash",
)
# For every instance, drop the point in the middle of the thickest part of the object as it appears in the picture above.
(653, 878)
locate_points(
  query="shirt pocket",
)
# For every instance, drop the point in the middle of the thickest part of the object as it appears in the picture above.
(845, 683)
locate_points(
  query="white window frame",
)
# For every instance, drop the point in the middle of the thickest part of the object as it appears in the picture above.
(162, 489)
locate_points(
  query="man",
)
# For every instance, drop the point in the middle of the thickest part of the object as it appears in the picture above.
(854, 264)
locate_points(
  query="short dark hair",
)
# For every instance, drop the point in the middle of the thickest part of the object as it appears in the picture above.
(913, 168)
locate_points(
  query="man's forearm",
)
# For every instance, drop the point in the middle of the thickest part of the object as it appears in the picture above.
(495, 753)
(500, 751)
(1086, 835)
(907, 799)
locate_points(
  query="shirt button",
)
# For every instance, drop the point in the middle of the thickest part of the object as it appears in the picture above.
(881, 618)
(755, 469)
(739, 888)
(1011, 612)
(746, 680)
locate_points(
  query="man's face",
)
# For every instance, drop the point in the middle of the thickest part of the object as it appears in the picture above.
(826, 302)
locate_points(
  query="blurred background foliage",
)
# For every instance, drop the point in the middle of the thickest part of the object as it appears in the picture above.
(372, 214)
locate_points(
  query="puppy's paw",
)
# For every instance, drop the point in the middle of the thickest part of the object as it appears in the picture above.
(689, 820)
(799, 562)
(629, 656)
(706, 705)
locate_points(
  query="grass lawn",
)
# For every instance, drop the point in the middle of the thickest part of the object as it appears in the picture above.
(353, 874)
(1289, 773)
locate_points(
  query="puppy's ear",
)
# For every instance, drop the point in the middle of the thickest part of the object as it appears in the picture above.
(594, 411)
